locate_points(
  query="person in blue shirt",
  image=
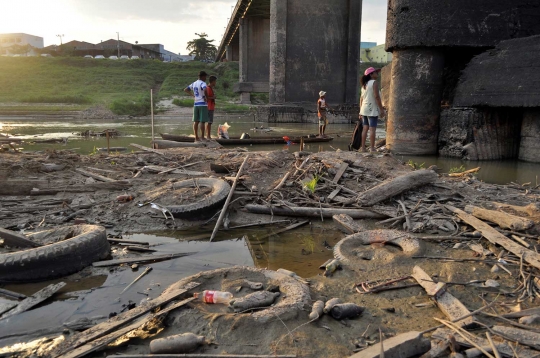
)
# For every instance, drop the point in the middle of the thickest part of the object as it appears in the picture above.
(200, 108)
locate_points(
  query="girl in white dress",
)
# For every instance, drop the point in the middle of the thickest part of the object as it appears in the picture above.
(371, 107)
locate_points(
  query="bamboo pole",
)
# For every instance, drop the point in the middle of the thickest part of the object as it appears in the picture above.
(152, 111)
(108, 143)
(224, 210)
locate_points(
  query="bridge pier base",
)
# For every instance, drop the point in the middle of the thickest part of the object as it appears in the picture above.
(529, 150)
(415, 101)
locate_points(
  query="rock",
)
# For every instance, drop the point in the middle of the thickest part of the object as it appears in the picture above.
(491, 283)
(410, 344)
(89, 181)
(495, 269)
(390, 309)
(530, 320)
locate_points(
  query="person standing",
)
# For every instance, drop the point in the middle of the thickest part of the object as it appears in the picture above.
(371, 107)
(198, 90)
(322, 106)
(211, 105)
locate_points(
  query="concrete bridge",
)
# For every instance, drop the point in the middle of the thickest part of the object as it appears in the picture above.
(292, 49)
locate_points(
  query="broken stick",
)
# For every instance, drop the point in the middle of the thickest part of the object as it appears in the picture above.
(504, 220)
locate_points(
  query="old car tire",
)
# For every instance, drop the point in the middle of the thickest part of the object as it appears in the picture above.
(205, 207)
(88, 244)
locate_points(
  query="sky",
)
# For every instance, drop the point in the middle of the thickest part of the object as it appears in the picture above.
(170, 22)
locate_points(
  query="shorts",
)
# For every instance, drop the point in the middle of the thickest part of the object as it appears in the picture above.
(210, 116)
(370, 121)
(322, 120)
(200, 114)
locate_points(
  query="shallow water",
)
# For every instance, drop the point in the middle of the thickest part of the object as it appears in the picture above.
(139, 131)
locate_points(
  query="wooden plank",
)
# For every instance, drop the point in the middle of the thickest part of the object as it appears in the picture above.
(174, 306)
(160, 170)
(14, 239)
(12, 294)
(346, 224)
(312, 212)
(288, 228)
(150, 258)
(115, 323)
(35, 299)
(146, 149)
(340, 172)
(333, 194)
(203, 355)
(6, 305)
(527, 312)
(504, 220)
(448, 304)
(497, 238)
(528, 338)
(119, 241)
(95, 176)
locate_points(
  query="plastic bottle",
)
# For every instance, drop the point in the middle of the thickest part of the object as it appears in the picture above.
(214, 296)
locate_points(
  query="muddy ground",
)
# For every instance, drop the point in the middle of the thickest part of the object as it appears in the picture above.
(393, 312)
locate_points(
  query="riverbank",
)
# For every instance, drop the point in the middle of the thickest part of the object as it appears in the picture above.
(53, 189)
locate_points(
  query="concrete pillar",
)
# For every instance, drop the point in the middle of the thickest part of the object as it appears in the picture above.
(415, 101)
(229, 53)
(244, 49)
(278, 50)
(245, 98)
(530, 136)
(353, 51)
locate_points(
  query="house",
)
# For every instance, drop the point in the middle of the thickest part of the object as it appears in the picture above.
(375, 54)
(20, 43)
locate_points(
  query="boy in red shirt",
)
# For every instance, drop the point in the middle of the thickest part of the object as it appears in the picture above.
(211, 96)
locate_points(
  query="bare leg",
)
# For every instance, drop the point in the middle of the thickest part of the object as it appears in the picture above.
(323, 130)
(196, 130)
(320, 131)
(202, 130)
(208, 131)
(364, 137)
(372, 131)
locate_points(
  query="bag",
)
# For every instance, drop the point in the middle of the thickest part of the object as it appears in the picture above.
(356, 139)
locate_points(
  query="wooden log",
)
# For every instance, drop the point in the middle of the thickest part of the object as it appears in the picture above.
(448, 304)
(283, 181)
(159, 169)
(524, 313)
(504, 220)
(340, 172)
(146, 149)
(524, 337)
(138, 248)
(168, 144)
(95, 176)
(150, 258)
(288, 228)
(497, 238)
(470, 171)
(115, 323)
(8, 293)
(312, 212)
(396, 186)
(204, 355)
(227, 202)
(112, 186)
(346, 224)
(33, 300)
(131, 242)
(17, 240)
(530, 210)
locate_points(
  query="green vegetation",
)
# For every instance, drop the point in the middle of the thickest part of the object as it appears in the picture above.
(122, 86)
(415, 165)
(309, 243)
(460, 169)
(202, 48)
(312, 184)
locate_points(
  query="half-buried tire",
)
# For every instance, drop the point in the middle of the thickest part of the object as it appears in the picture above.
(205, 207)
(80, 246)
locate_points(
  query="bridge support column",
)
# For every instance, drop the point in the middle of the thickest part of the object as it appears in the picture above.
(229, 53)
(353, 52)
(244, 49)
(278, 50)
(530, 136)
(415, 101)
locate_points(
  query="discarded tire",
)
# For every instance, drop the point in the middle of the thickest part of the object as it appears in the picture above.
(294, 293)
(348, 250)
(205, 207)
(85, 244)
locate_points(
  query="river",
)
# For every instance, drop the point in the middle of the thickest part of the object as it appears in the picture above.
(139, 131)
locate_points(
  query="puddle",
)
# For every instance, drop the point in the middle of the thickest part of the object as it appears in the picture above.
(301, 250)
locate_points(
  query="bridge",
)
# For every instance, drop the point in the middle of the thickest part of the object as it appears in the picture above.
(292, 49)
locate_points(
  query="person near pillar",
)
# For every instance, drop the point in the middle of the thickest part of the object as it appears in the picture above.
(322, 107)
(371, 107)
(198, 90)
(211, 98)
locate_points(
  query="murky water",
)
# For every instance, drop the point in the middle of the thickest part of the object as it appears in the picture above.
(139, 131)
(301, 250)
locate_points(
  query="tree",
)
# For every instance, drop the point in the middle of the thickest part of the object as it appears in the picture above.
(202, 48)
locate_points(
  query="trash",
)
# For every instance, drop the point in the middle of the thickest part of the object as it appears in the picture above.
(330, 304)
(214, 297)
(147, 270)
(316, 310)
(181, 343)
(124, 198)
(254, 300)
(163, 209)
(346, 310)
(332, 267)
(491, 283)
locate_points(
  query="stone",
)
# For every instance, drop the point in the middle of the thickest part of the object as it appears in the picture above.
(495, 269)
(491, 283)
(408, 344)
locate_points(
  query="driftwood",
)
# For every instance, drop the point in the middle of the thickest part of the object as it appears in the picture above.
(288, 228)
(33, 300)
(12, 294)
(448, 304)
(151, 258)
(530, 210)
(228, 201)
(161, 170)
(340, 172)
(115, 323)
(167, 144)
(312, 212)
(522, 336)
(94, 176)
(346, 224)
(17, 240)
(396, 186)
(504, 220)
(524, 313)
(497, 238)
(470, 171)
(131, 242)
(114, 185)
(205, 355)
(146, 149)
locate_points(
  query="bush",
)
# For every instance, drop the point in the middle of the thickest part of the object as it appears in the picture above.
(75, 99)
(137, 107)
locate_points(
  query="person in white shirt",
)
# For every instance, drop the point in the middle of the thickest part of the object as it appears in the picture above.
(371, 108)
(200, 108)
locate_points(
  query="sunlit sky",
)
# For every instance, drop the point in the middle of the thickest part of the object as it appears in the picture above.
(169, 22)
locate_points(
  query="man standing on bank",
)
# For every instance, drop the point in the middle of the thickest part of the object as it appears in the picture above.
(371, 107)
(322, 107)
(198, 90)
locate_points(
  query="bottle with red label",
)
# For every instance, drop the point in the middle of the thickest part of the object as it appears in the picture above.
(213, 297)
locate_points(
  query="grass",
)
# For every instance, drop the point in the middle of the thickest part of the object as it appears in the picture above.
(220, 105)
(122, 86)
(454, 170)
(312, 184)
(415, 165)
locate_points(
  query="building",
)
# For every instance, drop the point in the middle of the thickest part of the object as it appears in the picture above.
(375, 54)
(367, 44)
(107, 48)
(10, 44)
